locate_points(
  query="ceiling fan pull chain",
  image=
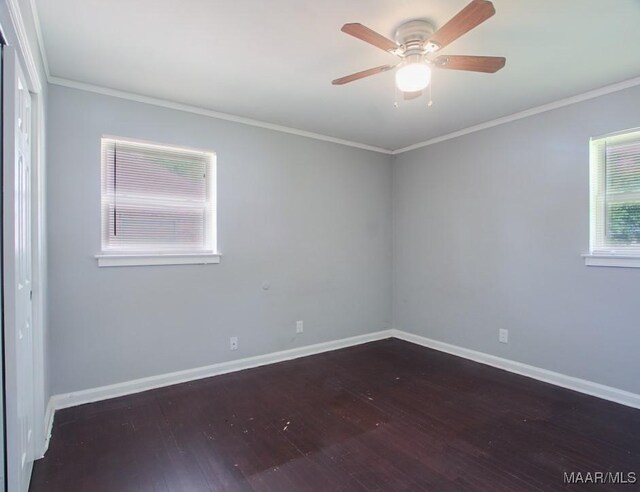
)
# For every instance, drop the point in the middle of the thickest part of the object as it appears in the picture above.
(395, 102)
(430, 101)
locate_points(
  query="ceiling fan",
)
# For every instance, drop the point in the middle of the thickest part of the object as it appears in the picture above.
(416, 45)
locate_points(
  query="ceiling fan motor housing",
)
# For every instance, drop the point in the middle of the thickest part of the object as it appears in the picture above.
(412, 37)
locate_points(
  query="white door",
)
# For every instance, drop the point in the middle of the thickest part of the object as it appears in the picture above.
(19, 361)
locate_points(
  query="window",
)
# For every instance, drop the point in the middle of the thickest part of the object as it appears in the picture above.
(158, 204)
(615, 199)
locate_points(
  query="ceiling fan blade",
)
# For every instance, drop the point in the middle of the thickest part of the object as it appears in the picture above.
(469, 17)
(362, 75)
(411, 95)
(368, 36)
(487, 64)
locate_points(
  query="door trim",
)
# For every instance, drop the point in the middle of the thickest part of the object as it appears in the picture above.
(12, 29)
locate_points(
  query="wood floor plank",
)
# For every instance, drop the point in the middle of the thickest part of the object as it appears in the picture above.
(386, 415)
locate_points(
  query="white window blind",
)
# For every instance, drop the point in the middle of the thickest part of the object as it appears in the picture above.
(615, 194)
(157, 199)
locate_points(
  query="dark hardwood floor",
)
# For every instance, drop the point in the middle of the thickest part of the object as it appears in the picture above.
(387, 415)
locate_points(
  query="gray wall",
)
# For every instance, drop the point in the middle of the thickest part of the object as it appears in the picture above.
(488, 230)
(310, 217)
(488, 233)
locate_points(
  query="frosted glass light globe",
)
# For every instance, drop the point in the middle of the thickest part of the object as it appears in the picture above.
(413, 77)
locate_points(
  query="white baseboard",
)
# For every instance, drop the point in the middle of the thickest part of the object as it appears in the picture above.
(66, 400)
(576, 384)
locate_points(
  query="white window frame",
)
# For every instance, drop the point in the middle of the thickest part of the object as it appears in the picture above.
(110, 258)
(602, 254)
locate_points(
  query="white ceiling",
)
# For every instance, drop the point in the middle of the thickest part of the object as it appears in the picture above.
(274, 60)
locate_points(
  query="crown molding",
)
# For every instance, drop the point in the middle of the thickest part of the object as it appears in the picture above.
(179, 106)
(608, 89)
(210, 113)
(585, 96)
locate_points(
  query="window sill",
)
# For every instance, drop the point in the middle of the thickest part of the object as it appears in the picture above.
(611, 260)
(114, 260)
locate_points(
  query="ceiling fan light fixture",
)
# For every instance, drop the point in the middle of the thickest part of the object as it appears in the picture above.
(413, 77)
(415, 41)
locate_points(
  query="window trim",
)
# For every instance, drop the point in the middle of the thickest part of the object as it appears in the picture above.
(612, 260)
(109, 258)
(115, 260)
(599, 256)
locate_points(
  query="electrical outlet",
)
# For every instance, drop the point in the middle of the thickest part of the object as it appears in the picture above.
(503, 335)
(299, 326)
(233, 343)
